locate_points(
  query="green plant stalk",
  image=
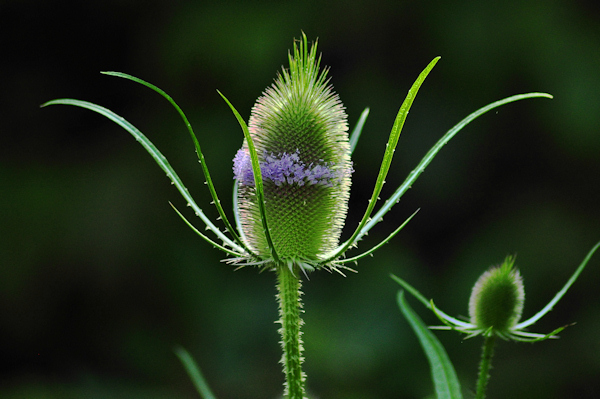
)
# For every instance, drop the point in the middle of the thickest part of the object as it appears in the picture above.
(487, 352)
(290, 309)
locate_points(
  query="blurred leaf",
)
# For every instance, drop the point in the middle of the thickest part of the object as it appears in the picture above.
(444, 377)
(194, 372)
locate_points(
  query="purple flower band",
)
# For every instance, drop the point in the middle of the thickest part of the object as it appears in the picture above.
(286, 169)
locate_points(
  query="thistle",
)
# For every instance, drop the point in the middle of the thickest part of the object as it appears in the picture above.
(292, 187)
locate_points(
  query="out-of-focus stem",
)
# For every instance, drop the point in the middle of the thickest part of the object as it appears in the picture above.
(487, 352)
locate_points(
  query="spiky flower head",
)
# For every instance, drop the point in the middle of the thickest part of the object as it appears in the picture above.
(299, 128)
(497, 299)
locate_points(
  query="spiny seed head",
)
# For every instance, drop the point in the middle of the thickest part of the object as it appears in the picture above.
(497, 298)
(299, 128)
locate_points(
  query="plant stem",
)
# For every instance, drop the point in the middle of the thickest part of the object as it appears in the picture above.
(290, 308)
(487, 352)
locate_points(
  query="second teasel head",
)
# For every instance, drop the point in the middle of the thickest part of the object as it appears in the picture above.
(497, 299)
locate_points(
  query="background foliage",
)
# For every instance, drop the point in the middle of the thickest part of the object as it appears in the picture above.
(99, 278)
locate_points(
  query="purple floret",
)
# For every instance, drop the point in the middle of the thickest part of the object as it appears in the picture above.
(286, 168)
(242, 167)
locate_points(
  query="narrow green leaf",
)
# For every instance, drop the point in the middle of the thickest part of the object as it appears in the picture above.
(560, 293)
(524, 336)
(236, 212)
(427, 303)
(195, 230)
(158, 157)
(413, 291)
(376, 247)
(258, 182)
(194, 372)
(355, 135)
(390, 148)
(209, 183)
(412, 177)
(443, 374)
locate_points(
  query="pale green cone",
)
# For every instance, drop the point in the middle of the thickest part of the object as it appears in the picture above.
(497, 299)
(300, 131)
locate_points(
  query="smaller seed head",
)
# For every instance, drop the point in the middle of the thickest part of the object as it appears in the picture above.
(497, 299)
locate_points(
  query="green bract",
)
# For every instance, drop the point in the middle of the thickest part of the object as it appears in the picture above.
(300, 131)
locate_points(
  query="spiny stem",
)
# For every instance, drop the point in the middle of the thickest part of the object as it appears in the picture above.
(487, 352)
(290, 308)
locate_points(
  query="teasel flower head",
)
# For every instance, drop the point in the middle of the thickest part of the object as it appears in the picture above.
(497, 298)
(300, 132)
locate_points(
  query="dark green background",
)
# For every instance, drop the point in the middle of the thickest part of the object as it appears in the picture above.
(99, 278)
